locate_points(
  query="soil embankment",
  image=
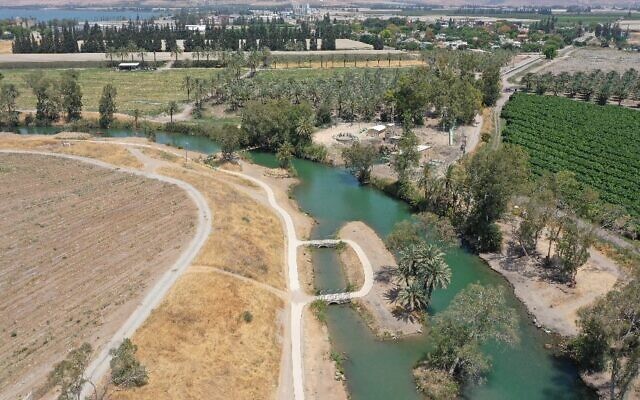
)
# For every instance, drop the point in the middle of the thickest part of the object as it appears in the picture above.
(378, 311)
(554, 305)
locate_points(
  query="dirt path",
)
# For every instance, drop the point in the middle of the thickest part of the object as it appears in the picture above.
(100, 365)
(298, 298)
(384, 322)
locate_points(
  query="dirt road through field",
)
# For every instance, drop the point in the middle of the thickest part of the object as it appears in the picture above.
(100, 365)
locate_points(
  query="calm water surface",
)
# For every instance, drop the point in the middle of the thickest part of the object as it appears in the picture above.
(382, 369)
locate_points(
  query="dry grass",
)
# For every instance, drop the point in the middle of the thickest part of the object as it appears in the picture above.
(197, 345)
(5, 46)
(109, 153)
(339, 63)
(247, 239)
(160, 155)
(352, 267)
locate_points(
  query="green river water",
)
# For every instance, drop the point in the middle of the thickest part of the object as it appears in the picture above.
(381, 370)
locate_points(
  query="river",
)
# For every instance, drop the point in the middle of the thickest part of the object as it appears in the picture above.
(378, 370)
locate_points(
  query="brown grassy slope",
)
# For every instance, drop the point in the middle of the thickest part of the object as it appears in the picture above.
(110, 153)
(247, 237)
(197, 345)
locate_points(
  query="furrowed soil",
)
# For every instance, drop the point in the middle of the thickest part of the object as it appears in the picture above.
(80, 246)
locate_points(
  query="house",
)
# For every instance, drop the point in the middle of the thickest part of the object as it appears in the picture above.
(129, 66)
(196, 28)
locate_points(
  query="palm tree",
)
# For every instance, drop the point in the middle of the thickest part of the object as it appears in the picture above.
(304, 129)
(141, 52)
(109, 53)
(172, 107)
(435, 274)
(187, 84)
(136, 116)
(409, 263)
(412, 297)
(176, 51)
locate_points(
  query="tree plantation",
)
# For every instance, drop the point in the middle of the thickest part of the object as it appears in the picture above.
(600, 144)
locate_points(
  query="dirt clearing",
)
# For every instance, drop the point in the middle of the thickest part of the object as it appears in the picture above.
(592, 58)
(80, 245)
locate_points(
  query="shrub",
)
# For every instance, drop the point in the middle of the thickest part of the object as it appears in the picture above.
(247, 316)
(436, 384)
(126, 370)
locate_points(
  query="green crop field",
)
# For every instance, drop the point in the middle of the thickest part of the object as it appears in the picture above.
(148, 91)
(600, 144)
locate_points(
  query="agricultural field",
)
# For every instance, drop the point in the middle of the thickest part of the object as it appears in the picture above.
(591, 58)
(80, 245)
(600, 144)
(148, 91)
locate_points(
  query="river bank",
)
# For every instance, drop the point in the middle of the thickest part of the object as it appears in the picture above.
(553, 305)
(382, 316)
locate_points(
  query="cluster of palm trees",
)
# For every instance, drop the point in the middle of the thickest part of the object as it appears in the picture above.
(596, 85)
(421, 270)
(350, 94)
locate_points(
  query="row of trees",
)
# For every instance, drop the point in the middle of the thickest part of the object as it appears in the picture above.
(448, 87)
(56, 98)
(550, 211)
(596, 85)
(65, 37)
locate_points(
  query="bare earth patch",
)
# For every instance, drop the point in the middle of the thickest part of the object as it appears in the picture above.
(554, 305)
(80, 245)
(592, 58)
(378, 310)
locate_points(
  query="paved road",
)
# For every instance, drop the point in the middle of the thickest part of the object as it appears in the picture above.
(100, 365)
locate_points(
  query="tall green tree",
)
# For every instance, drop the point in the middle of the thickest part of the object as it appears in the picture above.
(47, 97)
(359, 159)
(8, 113)
(492, 177)
(407, 158)
(71, 95)
(107, 106)
(490, 85)
(478, 314)
(609, 338)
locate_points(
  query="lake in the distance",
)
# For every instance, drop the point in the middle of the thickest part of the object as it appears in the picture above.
(79, 14)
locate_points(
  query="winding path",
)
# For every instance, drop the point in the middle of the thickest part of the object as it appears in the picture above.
(298, 299)
(99, 366)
